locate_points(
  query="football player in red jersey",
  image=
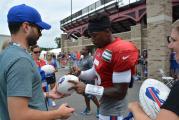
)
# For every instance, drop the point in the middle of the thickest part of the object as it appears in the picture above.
(114, 64)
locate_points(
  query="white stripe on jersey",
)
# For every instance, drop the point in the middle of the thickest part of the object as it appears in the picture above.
(121, 77)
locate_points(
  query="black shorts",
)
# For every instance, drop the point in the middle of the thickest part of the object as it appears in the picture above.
(51, 79)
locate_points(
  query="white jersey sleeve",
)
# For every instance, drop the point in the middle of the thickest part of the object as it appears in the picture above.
(88, 74)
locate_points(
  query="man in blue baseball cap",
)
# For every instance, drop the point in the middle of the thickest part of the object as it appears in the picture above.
(22, 18)
(21, 96)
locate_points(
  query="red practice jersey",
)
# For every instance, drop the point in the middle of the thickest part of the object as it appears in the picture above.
(119, 56)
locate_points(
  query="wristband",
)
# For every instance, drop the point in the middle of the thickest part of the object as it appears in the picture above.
(94, 90)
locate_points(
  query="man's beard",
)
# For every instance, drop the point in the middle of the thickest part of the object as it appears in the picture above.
(32, 40)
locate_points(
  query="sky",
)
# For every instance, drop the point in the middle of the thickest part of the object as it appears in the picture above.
(52, 11)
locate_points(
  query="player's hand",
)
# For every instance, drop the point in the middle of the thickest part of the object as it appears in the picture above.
(78, 86)
(133, 106)
(75, 71)
(64, 111)
(54, 94)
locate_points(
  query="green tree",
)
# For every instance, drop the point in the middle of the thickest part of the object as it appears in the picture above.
(58, 42)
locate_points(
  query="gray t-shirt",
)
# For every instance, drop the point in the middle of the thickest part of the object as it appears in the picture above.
(86, 63)
(19, 77)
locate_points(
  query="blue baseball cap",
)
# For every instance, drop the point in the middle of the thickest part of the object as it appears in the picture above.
(24, 13)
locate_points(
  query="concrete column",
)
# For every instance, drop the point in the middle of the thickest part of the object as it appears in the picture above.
(136, 36)
(159, 20)
(80, 41)
(63, 42)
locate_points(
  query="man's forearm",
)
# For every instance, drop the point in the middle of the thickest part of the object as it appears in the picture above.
(118, 91)
(18, 110)
(137, 111)
(32, 114)
(140, 115)
(43, 115)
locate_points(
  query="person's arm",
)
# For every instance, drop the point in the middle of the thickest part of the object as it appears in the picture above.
(118, 91)
(139, 114)
(120, 82)
(137, 111)
(19, 110)
(88, 74)
(54, 94)
(85, 75)
(166, 115)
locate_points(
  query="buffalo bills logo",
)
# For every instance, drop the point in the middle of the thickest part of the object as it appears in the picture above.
(153, 94)
(61, 80)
